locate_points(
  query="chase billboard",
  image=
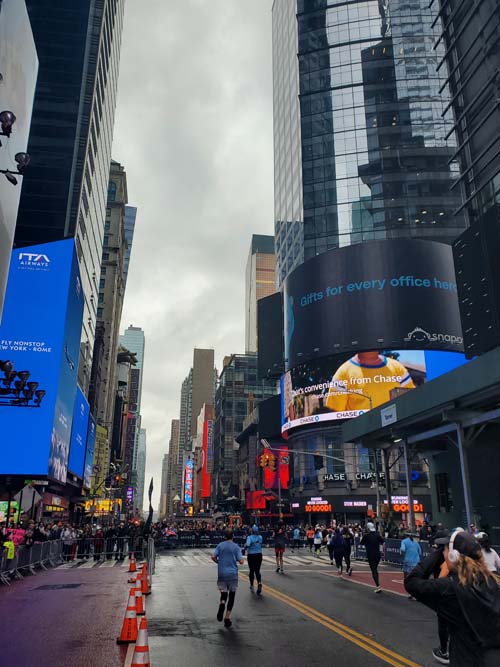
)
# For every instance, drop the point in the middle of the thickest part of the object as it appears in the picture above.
(39, 351)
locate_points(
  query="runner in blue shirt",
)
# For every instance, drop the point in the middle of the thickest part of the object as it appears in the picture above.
(254, 557)
(227, 555)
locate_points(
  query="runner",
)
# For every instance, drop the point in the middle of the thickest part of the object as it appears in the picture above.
(337, 545)
(318, 541)
(296, 538)
(372, 542)
(310, 538)
(349, 541)
(254, 556)
(227, 555)
(279, 547)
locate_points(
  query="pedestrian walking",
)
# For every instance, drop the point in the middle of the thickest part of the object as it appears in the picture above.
(227, 555)
(279, 547)
(253, 547)
(412, 554)
(468, 599)
(372, 541)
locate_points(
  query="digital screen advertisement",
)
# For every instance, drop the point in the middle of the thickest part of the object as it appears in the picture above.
(89, 453)
(39, 348)
(282, 469)
(188, 482)
(345, 387)
(79, 434)
(379, 295)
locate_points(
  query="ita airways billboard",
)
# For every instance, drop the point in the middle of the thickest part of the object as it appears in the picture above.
(79, 430)
(39, 350)
(345, 386)
(89, 453)
(188, 482)
(394, 294)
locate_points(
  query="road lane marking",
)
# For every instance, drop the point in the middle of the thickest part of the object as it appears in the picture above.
(130, 655)
(367, 644)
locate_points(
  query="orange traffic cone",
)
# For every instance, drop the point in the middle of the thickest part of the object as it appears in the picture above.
(141, 651)
(145, 584)
(139, 602)
(144, 569)
(129, 627)
(132, 567)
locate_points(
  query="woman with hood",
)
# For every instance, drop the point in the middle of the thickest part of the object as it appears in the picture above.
(468, 599)
(253, 547)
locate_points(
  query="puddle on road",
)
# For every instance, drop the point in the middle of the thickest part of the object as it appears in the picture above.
(172, 628)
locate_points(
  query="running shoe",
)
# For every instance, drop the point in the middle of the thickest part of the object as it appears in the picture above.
(340, 571)
(282, 571)
(227, 622)
(331, 562)
(378, 589)
(277, 569)
(259, 589)
(251, 588)
(440, 656)
(349, 572)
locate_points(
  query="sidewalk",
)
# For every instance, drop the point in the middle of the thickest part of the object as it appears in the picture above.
(65, 617)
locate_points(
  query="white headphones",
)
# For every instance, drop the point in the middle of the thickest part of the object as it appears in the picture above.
(453, 554)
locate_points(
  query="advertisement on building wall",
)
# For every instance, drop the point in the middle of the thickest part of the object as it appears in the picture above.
(338, 388)
(89, 453)
(188, 482)
(393, 294)
(279, 466)
(206, 478)
(79, 430)
(39, 349)
(210, 445)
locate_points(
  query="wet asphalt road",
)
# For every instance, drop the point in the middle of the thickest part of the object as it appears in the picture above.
(306, 616)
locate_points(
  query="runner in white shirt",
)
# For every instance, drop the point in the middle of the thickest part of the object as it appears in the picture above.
(491, 558)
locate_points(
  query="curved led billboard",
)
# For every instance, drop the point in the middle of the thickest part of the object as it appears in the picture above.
(346, 386)
(393, 294)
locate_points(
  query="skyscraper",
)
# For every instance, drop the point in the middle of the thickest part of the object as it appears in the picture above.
(130, 217)
(376, 134)
(198, 388)
(64, 190)
(259, 282)
(173, 467)
(141, 469)
(238, 392)
(133, 340)
(162, 507)
(103, 384)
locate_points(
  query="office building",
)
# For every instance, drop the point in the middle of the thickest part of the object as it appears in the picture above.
(134, 341)
(19, 67)
(259, 283)
(471, 37)
(376, 130)
(197, 388)
(141, 470)
(162, 507)
(103, 383)
(64, 190)
(238, 392)
(173, 467)
(130, 218)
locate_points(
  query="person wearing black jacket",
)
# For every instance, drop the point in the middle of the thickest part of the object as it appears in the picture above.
(372, 541)
(468, 599)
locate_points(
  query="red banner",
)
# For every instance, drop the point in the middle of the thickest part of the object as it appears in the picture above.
(205, 475)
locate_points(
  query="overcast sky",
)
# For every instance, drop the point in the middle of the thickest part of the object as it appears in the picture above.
(194, 133)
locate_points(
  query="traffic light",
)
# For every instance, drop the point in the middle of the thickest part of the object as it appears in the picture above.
(263, 460)
(272, 463)
(318, 462)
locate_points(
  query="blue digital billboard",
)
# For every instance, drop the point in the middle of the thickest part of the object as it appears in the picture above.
(89, 453)
(39, 349)
(79, 429)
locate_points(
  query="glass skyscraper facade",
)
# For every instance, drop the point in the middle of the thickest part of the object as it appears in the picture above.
(65, 189)
(129, 224)
(376, 133)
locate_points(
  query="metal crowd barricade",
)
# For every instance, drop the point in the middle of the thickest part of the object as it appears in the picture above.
(28, 559)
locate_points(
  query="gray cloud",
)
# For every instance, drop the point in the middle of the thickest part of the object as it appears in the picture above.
(194, 132)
